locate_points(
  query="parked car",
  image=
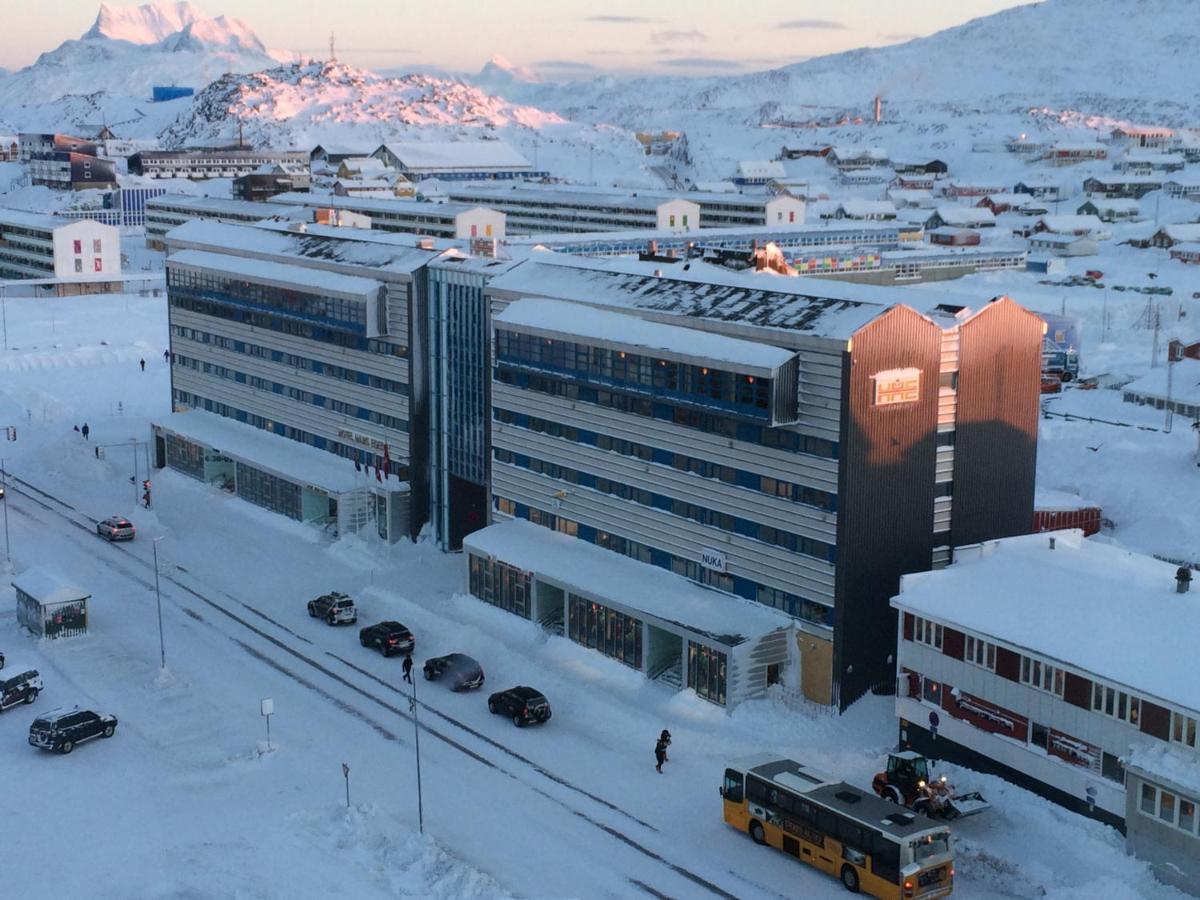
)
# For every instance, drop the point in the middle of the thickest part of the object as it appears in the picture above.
(387, 637)
(62, 729)
(115, 528)
(335, 608)
(523, 705)
(463, 673)
(21, 687)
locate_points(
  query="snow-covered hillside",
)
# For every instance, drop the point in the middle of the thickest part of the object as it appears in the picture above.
(128, 50)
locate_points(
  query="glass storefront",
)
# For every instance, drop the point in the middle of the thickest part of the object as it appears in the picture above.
(500, 584)
(706, 672)
(268, 491)
(612, 633)
(184, 456)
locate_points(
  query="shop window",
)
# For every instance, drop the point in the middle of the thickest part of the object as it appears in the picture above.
(931, 691)
(1112, 768)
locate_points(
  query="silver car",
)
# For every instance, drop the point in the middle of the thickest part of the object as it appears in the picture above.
(115, 528)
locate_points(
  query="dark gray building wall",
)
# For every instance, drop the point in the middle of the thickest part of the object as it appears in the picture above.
(1174, 855)
(886, 494)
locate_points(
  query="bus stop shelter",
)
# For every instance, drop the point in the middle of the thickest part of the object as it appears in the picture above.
(49, 606)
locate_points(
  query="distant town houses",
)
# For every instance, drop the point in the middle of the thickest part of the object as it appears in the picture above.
(1146, 162)
(1186, 253)
(1002, 203)
(1179, 187)
(758, 172)
(1174, 387)
(1051, 244)
(1026, 146)
(928, 167)
(456, 160)
(865, 210)
(949, 236)
(1170, 235)
(959, 189)
(1116, 210)
(268, 181)
(803, 151)
(961, 217)
(1069, 154)
(1068, 224)
(1042, 188)
(1145, 138)
(848, 159)
(1128, 186)
(65, 162)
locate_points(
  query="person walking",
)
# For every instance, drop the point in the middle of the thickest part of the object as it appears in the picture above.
(408, 667)
(660, 751)
(167, 355)
(142, 363)
(85, 431)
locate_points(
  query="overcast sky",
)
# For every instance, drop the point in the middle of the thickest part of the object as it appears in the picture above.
(563, 38)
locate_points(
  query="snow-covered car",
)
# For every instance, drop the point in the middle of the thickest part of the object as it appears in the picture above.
(21, 686)
(524, 705)
(62, 729)
(461, 671)
(335, 608)
(387, 637)
(115, 528)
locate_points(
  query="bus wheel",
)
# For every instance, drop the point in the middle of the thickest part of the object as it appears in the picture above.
(850, 879)
(757, 833)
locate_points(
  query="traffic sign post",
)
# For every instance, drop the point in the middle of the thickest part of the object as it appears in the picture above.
(266, 708)
(346, 775)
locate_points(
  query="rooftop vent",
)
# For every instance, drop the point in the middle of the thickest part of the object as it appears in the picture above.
(1183, 579)
(425, 243)
(847, 797)
(1051, 543)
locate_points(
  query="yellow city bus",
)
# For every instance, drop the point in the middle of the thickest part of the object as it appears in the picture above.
(871, 845)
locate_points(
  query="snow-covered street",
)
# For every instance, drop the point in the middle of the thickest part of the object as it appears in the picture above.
(187, 792)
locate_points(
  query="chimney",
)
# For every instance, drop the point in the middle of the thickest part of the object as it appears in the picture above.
(1051, 543)
(878, 109)
(1183, 579)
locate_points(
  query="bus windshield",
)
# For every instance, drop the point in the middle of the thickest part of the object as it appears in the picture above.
(931, 845)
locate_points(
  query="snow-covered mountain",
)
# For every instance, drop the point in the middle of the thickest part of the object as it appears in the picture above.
(500, 72)
(129, 49)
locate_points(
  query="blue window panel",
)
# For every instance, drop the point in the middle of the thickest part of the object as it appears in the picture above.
(748, 480)
(588, 480)
(587, 395)
(239, 377)
(318, 368)
(744, 587)
(663, 411)
(749, 433)
(276, 388)
(660, 501)
(587, 533)
(663, 457)
(745, 527)
(660, 558)
(364, 378)
(521, 511)
(364, 413)
(320, 443)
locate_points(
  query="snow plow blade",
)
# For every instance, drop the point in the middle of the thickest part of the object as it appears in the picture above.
(969, 804)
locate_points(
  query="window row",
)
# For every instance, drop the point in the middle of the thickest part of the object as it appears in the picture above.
(500, 584)
(322, 332)
(793, 605)
(980, 652)
(1169, 808)
(613, 633)
(1042, 675)
(293, 393)
(746, 393)
(710, 423)
(728, 522)
(338, 312)
(927, 632)
(1116, 703)
(787, 490)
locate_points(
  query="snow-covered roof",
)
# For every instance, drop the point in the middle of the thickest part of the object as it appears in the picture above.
(304, 279)
(1184, 381)
(965, 215)
(1116, 204)
(1080, 147)
(1164, 763)
(48, 587)
(950, 230)
(1119, 179)
(875, 153)
(857, 208)
(1183, 233)
(1188, 247)
(396, 206)
(761, 168)
(1008, 199)
(219, 205)
(579, 320)
(1139, 155)
(442, 155)
(593, 570)
(1070, 224)
(295, 461)
(1051, 239)
(1094, 606)
(1049, 500)
(19, 218)
(319, 245)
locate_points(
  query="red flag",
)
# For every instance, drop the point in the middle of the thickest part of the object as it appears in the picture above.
(387, 462)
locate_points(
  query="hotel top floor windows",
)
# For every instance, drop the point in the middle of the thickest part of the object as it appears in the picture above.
(745, 394)
(330, 312)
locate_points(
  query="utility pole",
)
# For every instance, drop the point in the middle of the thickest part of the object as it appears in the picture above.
(1104, 323)
(133, 447)
(4, 312)
(162, 647)
(412, 707)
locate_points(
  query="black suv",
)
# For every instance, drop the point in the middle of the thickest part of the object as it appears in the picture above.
(22, 686)
(463, 673)
(387, 638)
(62, 729)
(335, 608)
(523, 705)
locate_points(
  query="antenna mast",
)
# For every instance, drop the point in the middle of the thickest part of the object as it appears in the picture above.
(332, 54)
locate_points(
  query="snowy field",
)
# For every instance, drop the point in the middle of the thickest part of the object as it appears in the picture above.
(187, 801)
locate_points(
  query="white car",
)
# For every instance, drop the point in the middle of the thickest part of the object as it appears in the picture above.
(116, 528)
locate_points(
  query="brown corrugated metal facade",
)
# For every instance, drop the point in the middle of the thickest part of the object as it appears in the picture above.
(995, 445)
(885, 506)
(888, 464)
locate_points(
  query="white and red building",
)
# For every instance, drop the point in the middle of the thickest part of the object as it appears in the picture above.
(1052, 659)
(1070, 154)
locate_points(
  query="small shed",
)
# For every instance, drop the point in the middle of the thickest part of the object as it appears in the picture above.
(49, 606)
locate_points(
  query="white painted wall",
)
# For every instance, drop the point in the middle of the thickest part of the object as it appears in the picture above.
(782, 211)
(488, 223)
(678, 215)
(87, 233)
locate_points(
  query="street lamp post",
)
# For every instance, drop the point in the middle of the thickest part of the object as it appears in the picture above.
(162, 647)
(412, 706)
(4, 503)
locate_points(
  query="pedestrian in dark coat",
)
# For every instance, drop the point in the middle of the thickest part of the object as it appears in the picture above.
(408, 668)
(142, 363)
(85, 431)
(665, 738)
(166, 356)
(660, 753)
